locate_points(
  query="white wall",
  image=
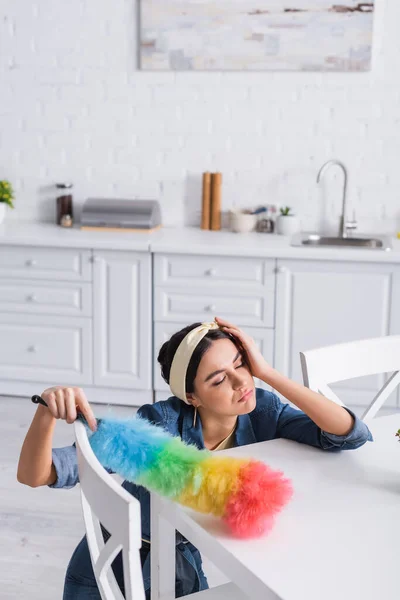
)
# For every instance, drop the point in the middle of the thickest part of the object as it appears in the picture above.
(74, 106)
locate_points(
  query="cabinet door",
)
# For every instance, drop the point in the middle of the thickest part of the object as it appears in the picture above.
(37, 262)
(122, 303)
(320, 303)
(45, 348)
(46, 297)
(249, 307)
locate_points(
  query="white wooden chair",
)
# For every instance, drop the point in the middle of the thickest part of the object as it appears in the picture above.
(105, 501)
(340, 362)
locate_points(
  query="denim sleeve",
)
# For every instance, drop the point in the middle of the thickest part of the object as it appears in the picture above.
(152, 413)
(66, 465)
(295, 425)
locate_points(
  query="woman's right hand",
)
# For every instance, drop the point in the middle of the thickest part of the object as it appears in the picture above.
(65, 402)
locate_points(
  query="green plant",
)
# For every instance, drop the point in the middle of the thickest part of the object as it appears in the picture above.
(286, 211)
(6, 193)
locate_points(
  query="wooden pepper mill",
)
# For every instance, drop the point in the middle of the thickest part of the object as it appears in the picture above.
(211, 201)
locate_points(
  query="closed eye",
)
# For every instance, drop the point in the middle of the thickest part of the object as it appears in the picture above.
(242, 364)
(214, 373)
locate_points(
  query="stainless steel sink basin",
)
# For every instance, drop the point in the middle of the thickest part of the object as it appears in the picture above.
(315, 240)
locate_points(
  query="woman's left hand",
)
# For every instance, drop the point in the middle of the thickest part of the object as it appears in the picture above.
(257, 363)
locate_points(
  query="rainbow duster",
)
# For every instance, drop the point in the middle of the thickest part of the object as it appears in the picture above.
(245, 493)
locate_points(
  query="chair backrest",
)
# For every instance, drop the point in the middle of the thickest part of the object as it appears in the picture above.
(330, 364)
(106, 502)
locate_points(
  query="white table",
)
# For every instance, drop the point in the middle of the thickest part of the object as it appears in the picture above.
(338, 538)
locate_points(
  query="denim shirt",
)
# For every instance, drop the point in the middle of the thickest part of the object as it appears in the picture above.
(271, 419)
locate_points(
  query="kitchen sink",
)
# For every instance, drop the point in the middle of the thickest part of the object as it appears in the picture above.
(315, 240)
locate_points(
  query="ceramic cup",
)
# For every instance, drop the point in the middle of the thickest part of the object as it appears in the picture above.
(241, 222)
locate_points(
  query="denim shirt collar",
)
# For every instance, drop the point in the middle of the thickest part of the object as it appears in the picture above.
(193, 433)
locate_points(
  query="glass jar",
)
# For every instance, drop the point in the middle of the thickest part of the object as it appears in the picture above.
(64, 203)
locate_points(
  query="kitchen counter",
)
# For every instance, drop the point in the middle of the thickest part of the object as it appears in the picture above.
(185, 240)
(26, 233)
(93, 308)
(225, 243)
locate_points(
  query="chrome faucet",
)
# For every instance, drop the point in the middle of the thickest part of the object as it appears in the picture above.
(345, 226)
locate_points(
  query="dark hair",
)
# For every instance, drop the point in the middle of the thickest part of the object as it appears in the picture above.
(168, 349)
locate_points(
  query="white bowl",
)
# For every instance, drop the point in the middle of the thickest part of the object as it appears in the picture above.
(242, 222)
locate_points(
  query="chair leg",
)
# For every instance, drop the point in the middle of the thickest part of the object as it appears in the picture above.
(162, 554)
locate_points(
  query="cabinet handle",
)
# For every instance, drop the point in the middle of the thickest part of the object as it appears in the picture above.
(211, 272)
(281, 270)
(31, 262)
(96, 259)
(211, 308)
(32, 349)
(32, 298)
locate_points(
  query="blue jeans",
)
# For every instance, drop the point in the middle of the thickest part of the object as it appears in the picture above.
(80, 582)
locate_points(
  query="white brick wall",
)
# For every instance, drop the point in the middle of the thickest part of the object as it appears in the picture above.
(74, 106)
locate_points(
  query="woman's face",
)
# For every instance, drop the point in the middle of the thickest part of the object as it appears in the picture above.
(223, 383)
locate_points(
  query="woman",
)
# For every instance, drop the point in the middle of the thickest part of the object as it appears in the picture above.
(210, 369)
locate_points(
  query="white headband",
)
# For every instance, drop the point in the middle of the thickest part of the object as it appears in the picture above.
(183, 354)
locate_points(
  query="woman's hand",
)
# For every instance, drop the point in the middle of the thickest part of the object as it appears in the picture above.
(327, 415)
(257, 363)
(65, 402)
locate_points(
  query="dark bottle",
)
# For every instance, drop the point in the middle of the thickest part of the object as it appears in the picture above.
(64, 202)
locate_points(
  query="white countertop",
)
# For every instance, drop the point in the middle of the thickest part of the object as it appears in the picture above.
(24, 233)
(185, 240)
(190, 240)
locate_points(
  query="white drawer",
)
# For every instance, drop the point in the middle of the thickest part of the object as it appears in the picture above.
(192, 270)
(46, 297)
(53, 349)
(264, 339)
(242, 308)
(31, 262)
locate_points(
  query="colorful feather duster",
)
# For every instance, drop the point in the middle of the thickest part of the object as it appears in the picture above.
(245, 493)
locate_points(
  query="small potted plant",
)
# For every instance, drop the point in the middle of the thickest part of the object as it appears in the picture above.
(287, 223)
(6, 197)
